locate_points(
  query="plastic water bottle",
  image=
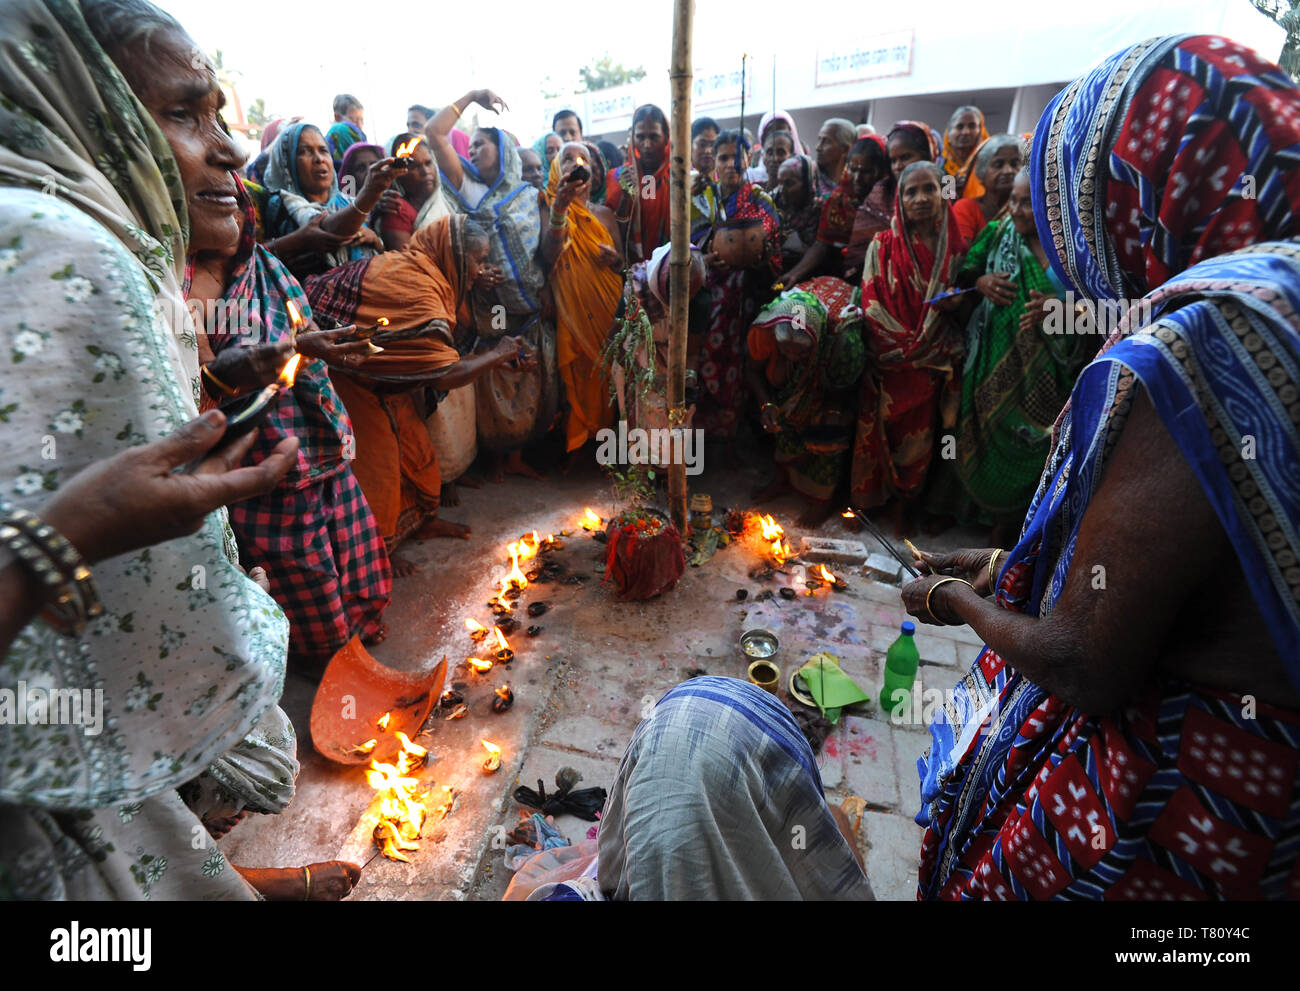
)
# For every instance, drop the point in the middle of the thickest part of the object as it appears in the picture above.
(901, 661)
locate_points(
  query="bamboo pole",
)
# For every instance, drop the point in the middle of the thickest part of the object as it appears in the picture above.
(679, 257)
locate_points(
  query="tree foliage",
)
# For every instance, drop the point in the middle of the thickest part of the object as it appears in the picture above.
(1286, 13)
(605, 72)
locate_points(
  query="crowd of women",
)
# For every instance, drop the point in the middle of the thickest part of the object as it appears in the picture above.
(865, 305)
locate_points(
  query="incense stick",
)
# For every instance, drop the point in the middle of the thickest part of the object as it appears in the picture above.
(876, 532)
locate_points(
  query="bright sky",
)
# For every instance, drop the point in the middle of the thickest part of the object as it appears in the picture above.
(296, 56)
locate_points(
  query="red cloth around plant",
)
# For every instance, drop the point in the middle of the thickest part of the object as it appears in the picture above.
(643, 566)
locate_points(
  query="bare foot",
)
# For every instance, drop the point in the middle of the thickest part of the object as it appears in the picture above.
(779, 486)
(496, 470)
(516, 465)
(815, 515)
(441, 528)
(330, 881)
(381, 633)
(448, 496)
(470, 481)
(403, 567)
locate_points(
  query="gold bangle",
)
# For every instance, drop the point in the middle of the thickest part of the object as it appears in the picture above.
(456, 107)
(221, 386)
(306, 872)
(993, 561)
(931, 592)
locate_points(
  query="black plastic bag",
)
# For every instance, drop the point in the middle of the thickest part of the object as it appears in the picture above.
(583, 803)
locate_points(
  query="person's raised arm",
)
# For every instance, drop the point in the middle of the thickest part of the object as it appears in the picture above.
(349, 220)
(438, 129)
(1131, 572)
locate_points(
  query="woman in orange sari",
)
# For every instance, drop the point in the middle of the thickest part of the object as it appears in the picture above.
(578, 243)
(418, 291)
(962, 141)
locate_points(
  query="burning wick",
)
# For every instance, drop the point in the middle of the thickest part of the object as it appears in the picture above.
(407, 148)
(295, 318)
(412, 756)
(477, 631)
(591, 521)
(503, 652)
(493, 758)
(382, 721)
(505, 698)
(479, 665)
(515, 579)
(848, 514)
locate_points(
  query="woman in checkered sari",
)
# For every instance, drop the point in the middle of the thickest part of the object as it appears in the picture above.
(314, 534)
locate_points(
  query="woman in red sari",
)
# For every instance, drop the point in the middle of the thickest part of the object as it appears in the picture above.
(736, 294)
(913, 382)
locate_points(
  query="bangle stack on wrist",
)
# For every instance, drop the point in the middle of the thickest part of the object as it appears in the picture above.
(66, 584)
(993, 581)
(564, 220)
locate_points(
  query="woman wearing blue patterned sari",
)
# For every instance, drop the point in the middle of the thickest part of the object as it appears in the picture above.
(302, 188)
(1131, 730)
(514, 408)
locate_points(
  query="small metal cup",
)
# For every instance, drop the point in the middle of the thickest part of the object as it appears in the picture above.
(765, 675)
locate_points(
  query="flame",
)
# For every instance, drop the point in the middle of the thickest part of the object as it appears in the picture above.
(502, 643)
(401, 812)
(771, 529)
(412, 755)
(581, 161)
(591, 521)
(382, 721)
(479, 664)
(290, 371)
(295, 318)
(493, 755)
(503, 692)
(780, 549)
(515, 578)
(826, 575)
(476, 629)
(847, 514)
(550, 538)
(407, 148)
(525, 549)
(368, 746)
(382, 321)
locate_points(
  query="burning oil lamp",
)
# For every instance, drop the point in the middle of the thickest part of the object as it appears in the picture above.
(551, 544)
(460, 712)
(412, 756)
(515, 579)
(591, 521)
(402, 157)
(479, 665)
(477, 631)
(382, 721)
(503, 653)
(450, 698)
(245, 413)
(493, 761)
(504, 699)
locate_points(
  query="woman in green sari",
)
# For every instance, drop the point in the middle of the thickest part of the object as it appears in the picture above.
(807, 355)
(1016, 378)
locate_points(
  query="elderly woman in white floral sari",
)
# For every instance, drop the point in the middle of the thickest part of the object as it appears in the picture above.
(98, 355)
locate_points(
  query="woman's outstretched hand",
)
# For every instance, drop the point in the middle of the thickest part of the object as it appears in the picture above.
(136, 498)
